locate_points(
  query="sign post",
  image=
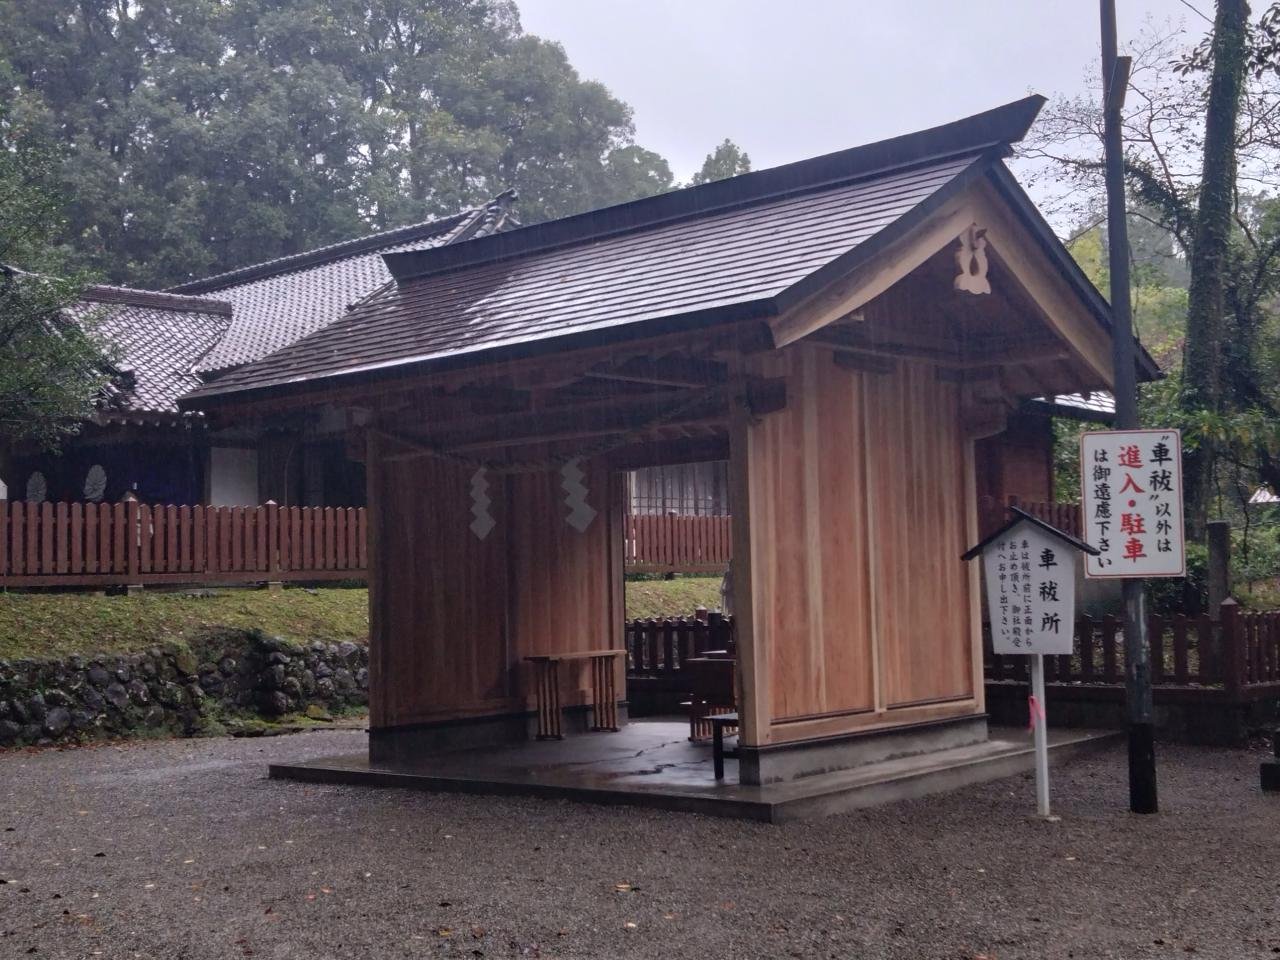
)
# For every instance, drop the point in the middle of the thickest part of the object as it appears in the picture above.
(1143, 797)
(1131, 502)
(1030, 571)
(1040, 730)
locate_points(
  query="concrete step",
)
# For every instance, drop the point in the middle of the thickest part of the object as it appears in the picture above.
(673, 775)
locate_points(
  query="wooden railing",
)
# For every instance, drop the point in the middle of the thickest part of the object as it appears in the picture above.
(659, 647)
(657, 651)
(92, 544)
(1236, 656)
(678, 543)
(1232, 659)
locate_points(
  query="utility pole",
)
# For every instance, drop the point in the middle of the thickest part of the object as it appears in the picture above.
(1137, 662)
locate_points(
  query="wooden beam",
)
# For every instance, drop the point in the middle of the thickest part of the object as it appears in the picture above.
(765, 396)
(670, 452)
(731, 338)
(864, 362)
(861, 341)
(574, 422)
(493, 398)
(669, 371)
(973, 356)
(1012, 246)
(876, 275)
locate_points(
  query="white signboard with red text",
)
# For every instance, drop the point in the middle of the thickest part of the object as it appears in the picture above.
(1132, 503)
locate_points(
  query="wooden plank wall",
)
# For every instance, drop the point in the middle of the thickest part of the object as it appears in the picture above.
(861, 607)
(456, 615)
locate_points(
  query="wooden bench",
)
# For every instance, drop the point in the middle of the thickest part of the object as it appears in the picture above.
(604, 690)
(718, 722)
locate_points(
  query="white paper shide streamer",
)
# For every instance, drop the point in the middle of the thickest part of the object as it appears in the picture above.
(483, 523)
(581, 513)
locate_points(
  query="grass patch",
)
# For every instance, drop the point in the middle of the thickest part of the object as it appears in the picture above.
(671, 598)
(47, 625)
(57, 625)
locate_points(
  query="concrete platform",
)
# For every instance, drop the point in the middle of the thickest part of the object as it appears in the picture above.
(652, 764)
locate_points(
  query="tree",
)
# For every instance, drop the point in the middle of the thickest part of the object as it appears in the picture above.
(204, 134)
(1210, 250)
(51, 365)
(727, 160)
(1202, 146)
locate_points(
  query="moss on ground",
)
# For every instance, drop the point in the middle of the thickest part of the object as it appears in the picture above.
(671, 598)
(57, 625)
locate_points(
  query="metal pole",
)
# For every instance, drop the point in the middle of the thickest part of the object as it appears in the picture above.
(1040, 729)
(1137, 665)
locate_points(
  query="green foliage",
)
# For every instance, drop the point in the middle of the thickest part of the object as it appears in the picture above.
(727, 160)
(51, 367)
(204, 134)
(1170, 595)
(59, 625)
(1066, 458)
(1255, 554)
(671, 598)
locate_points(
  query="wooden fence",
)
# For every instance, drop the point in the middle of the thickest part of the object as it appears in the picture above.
(92, 544)
(689, 544)
(1235, 657)
(660, 544)
(1231, 661)
(657, 651)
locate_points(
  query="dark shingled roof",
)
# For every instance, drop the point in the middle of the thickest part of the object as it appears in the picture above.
(280, 301)
(752, 245)
(159, 338)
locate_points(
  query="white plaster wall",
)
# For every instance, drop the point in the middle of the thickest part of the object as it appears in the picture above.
(233, 477)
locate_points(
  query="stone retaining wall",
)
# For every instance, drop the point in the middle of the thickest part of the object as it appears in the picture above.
(223, 678)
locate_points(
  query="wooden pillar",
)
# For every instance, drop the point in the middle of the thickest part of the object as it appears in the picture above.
(617, 514)
(375, 493)
(1219, 537)
(752, 643)
(973, 535)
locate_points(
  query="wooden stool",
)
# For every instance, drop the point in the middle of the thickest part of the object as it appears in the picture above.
(718, 722)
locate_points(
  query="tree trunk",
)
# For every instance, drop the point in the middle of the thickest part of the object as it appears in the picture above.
(1206, 300)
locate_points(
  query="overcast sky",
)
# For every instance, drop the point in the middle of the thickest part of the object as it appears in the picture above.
(789, 79)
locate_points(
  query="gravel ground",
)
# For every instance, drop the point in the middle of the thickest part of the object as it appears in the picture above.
(183, 849)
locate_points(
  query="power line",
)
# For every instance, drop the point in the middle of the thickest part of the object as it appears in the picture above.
(1194, 10)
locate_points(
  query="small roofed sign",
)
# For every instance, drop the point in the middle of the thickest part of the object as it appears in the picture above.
(1030, 570)
(1131, 503)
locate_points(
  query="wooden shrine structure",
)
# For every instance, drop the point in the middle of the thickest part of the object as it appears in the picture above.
(842, 330)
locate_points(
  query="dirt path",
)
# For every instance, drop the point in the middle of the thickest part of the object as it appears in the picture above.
(183, 849)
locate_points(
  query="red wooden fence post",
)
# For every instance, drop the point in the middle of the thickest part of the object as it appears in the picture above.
(133, 536)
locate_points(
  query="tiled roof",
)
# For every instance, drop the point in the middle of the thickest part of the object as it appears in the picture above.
(280, 301)
(1096, 405)
(746, 246)
(159, 337)
(1098, 401)
(730, 259)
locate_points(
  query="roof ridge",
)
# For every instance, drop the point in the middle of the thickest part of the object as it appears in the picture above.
(136, 297)
(973, 135)
(343, 249)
